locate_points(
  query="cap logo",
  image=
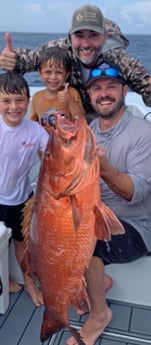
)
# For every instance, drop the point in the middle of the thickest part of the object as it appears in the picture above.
(104, 65)
(79, 17)
(87, 16)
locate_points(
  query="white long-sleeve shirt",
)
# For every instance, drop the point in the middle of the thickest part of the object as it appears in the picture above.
(18, 152)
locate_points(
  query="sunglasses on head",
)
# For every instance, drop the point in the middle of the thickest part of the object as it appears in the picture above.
(108, 72)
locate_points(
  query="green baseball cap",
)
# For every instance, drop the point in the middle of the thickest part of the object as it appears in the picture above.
(87, 18)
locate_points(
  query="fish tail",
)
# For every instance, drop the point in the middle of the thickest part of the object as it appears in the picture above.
(50, 326)
(76, 335)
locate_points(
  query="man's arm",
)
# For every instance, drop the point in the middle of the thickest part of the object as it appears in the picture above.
(24, 60)
(136, 75)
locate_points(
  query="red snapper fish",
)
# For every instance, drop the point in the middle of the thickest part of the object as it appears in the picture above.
(68, 218)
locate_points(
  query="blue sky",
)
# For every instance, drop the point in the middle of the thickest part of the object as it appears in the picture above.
(133, 16)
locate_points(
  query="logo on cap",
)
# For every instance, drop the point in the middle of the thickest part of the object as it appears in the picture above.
(104, 65)
(79, 17)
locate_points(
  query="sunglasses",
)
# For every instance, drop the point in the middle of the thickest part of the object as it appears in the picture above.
(108, 72)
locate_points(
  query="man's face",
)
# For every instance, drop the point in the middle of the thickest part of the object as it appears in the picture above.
(87, 45)
(107, 97)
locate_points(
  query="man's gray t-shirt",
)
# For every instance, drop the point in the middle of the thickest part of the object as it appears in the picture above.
(128, 148)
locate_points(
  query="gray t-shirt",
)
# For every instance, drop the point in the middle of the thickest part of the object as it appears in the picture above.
(128, 148)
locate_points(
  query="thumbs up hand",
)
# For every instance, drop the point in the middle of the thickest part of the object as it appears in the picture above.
(8, 42)
(64, 95)
(8, 55)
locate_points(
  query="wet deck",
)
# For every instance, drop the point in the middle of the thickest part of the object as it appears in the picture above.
(20, 325)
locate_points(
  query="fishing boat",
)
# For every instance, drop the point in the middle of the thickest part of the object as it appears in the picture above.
(129, 298)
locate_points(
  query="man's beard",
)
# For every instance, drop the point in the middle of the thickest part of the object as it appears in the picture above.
(111, 114)
(87, 61)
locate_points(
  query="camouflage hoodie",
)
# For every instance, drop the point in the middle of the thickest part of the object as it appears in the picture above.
(114, 50)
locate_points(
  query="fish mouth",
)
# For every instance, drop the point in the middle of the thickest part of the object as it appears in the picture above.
(66, 129)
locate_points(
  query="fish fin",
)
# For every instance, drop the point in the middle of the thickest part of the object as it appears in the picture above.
(81, 301)
(27, 215)
(50, 326)
(106, 223)
(25, 265)
(26, 220)
(76, 211)
(77, 336)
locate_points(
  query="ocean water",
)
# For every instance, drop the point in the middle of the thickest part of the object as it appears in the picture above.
(139, 48)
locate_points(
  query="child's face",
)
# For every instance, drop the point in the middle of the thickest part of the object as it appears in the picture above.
(53, 76)
(13, 107)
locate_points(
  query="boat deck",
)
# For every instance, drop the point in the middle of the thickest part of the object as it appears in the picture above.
(20, 325)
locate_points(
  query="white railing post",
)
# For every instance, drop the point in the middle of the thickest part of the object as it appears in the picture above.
(5, 234)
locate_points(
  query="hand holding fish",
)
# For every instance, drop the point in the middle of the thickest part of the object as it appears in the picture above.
(121, 183)
(101, 152)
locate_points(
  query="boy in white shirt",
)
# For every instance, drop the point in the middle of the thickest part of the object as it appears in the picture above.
(20, 141)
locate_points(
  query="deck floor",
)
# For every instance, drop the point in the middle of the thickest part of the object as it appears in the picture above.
(21, 324)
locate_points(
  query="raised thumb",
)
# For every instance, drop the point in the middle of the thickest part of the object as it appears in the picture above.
(8, 42)
(66, 86)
